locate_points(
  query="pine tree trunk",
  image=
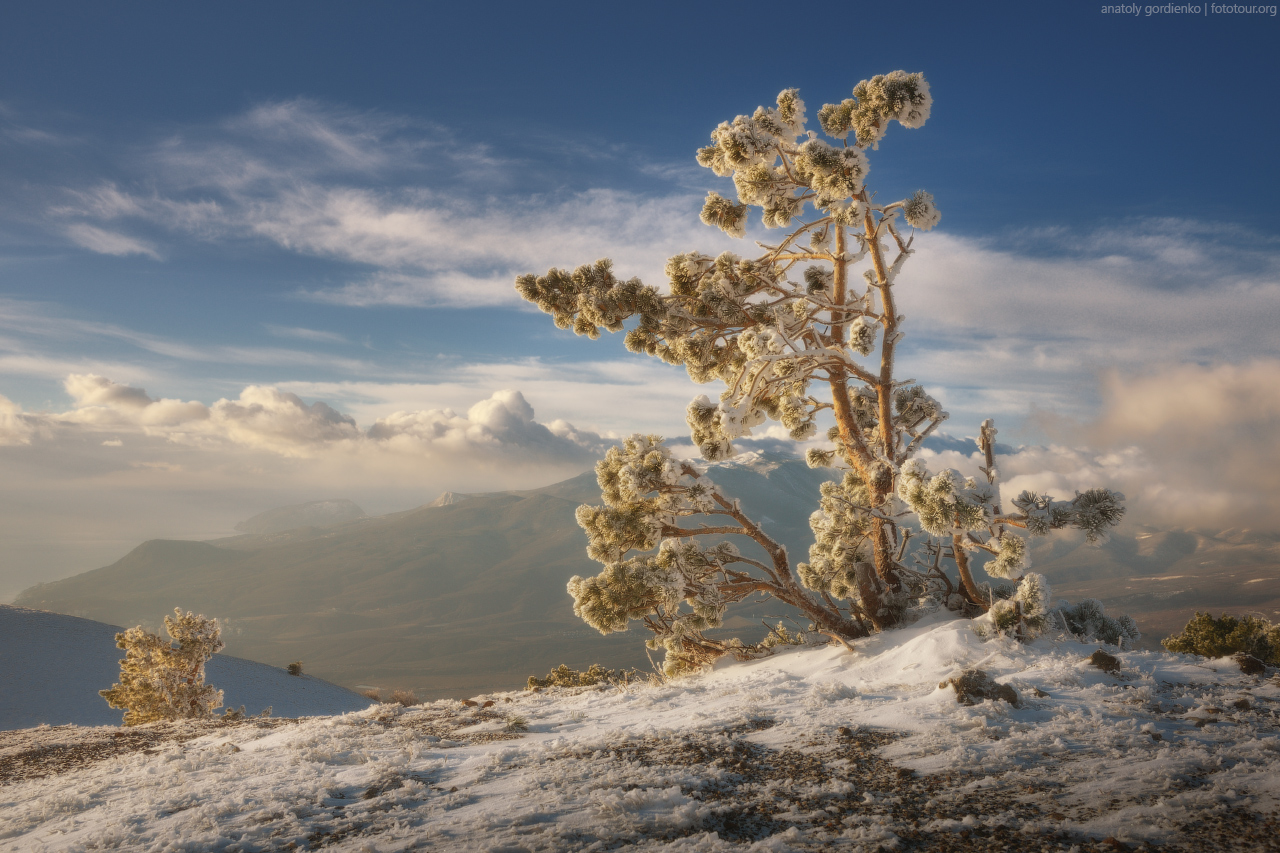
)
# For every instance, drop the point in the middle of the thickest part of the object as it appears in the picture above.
(967, 583)
(870, 592)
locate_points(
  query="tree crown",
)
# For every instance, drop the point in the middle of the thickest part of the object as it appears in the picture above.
(793, 340)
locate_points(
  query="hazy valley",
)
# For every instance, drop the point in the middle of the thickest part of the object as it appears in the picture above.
(468, 594)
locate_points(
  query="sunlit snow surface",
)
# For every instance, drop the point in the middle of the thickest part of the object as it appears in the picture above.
(675, 767)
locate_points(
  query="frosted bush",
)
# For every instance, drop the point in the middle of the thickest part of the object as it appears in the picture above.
(161, 681)
(1089, 621)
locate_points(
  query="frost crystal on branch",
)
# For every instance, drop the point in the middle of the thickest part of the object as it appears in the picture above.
(790, 339)
(921, 212)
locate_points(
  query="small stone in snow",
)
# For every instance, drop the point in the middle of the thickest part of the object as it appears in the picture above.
(1105, 662)
(1248, 664)
(974, 685)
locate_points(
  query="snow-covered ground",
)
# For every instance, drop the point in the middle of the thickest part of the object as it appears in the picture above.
(812, 749)
(52, 667)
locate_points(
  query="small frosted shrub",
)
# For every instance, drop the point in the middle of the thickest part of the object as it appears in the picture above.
(563, 676)
(1089, 621)
(780, 636)
(161, 681)
(1226, 635)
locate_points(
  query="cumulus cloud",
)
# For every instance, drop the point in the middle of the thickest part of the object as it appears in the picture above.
(16, 427)
(101, 402)
(501, 428)
(92, 391)
(84, 486)
(500, 424)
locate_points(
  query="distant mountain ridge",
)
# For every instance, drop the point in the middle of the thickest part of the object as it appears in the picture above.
(312, 514)
(449, 499)
(445, 599)
(468, 593)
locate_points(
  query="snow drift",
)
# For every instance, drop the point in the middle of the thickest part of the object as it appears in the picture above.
(811, 749)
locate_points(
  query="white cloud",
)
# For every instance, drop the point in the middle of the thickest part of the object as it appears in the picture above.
(499, 429)
(98, 391)
(101, 402)
(16, 427)
(1188, 445)
(432, 247)
(86, 485)
(424, 210)
(109, 242)
(500, 425)
(35, 327)
(316, 335)
(993, 325)
(1211, 435)
(613, 397)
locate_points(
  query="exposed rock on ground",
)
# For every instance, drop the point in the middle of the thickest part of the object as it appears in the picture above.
(974, 685)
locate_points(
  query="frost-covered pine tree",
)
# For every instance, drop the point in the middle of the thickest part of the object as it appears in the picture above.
(802, 334)
(159, 681)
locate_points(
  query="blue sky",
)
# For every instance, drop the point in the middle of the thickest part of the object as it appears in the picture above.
(331, 200)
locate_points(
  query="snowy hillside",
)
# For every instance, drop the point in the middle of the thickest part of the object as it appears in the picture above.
(812, 749)
(52, 667)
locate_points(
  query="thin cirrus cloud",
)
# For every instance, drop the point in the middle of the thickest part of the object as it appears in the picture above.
(435, 219)
(425, 248)
(316, 335)
(106, 242)
(1041, 318)
(40, 337)
(438, 221)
